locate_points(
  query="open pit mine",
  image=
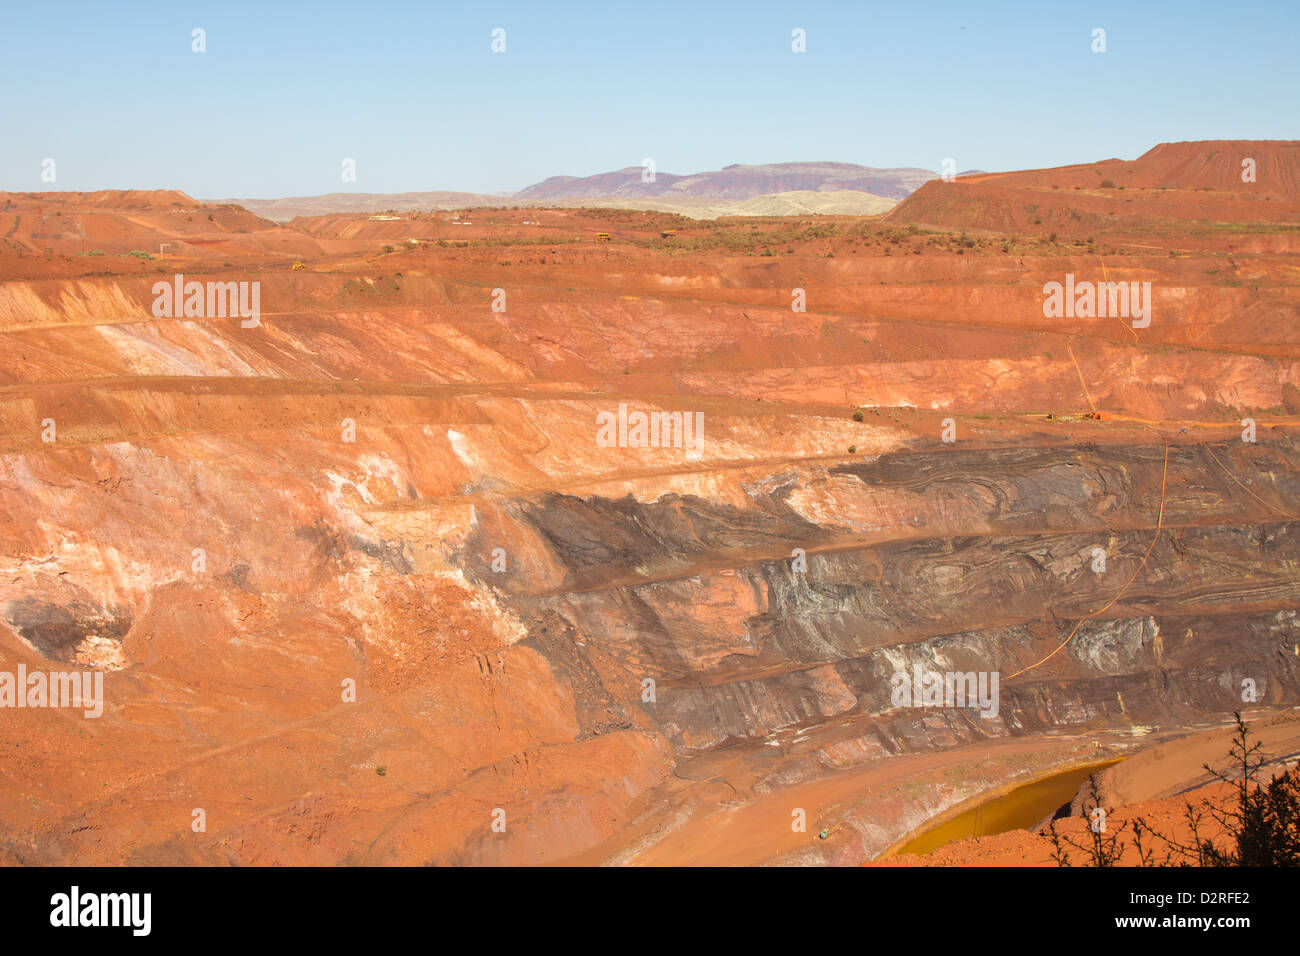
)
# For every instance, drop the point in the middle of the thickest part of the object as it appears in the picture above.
(480, 538)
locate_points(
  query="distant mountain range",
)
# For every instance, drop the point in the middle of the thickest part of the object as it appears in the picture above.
(770, 190)
(734, 183)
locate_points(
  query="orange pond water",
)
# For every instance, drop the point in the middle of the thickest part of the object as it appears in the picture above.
(1019, 809)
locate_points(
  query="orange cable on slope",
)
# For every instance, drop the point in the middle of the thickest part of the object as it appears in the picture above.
(1106, 276)
(1086, 394)
(1160, 520)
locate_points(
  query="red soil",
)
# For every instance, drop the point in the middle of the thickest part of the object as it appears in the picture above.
(329, 560)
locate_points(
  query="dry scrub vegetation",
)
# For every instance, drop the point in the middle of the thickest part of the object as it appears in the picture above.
(1257, 824)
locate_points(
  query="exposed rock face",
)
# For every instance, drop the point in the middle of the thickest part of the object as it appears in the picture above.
(705, 601)
(364, 587)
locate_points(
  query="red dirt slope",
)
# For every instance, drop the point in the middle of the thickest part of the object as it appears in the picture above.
(1174, 183)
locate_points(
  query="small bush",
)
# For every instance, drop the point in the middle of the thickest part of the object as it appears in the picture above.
(1259, 822)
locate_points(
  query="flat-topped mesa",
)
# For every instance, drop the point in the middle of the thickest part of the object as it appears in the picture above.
(1220, 164)
(107, 198)
(139, 223)
(1215, 181)
(1200, 165)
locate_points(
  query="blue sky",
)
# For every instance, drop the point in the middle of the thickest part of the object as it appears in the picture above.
(413, 92)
